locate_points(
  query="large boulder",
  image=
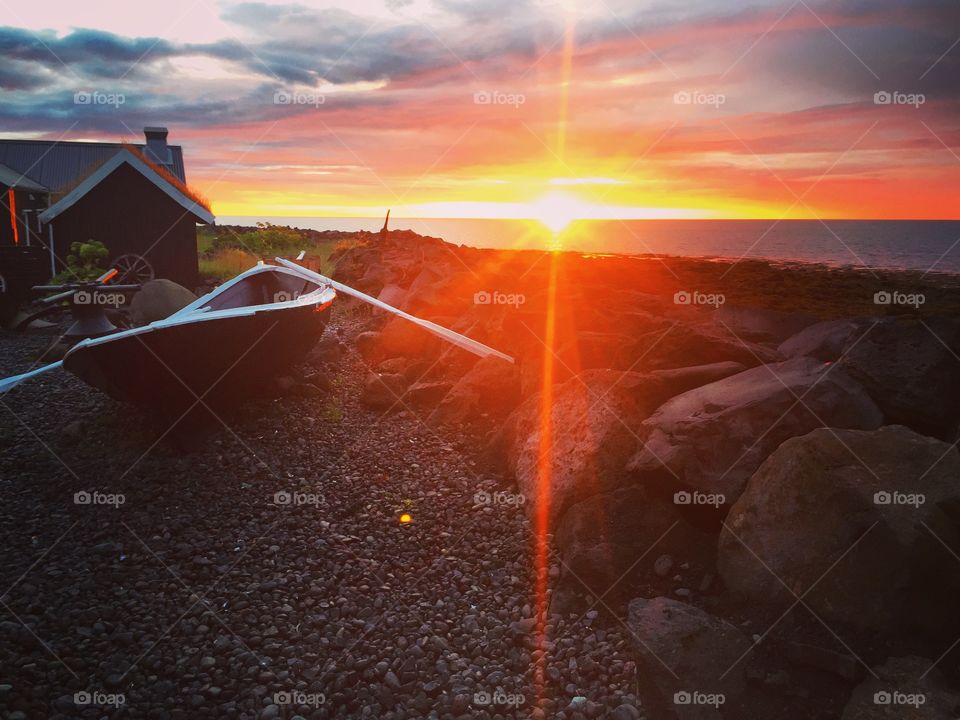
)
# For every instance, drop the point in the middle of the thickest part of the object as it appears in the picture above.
(157, 300)
(760, 324)
(398, 338)
(682, 345)
(690, 661)
(640, 343)
(909, 688)
(826, 340)
(427, 394)
(687, 378)
(589, 350)
(861, 524)
(711, 439)
(911, 368)
(393, 295)
(450, 294)
(490, 388)
(368, 346)
(353, 263)
(609, 543)
(591, 423)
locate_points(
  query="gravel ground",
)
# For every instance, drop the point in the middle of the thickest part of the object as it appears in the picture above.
(268, 574)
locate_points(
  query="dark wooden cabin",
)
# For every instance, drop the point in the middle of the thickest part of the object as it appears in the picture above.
(132, 198)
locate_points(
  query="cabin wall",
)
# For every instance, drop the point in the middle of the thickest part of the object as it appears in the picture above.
(20, 269)
(129, 214)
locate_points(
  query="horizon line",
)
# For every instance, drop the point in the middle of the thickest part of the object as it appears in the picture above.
(625, 219)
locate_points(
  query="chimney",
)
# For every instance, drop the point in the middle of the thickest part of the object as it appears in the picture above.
(157, 149)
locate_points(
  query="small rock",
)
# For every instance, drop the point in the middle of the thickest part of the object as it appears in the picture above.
(391, 680)
(625, 712)
(663, 565)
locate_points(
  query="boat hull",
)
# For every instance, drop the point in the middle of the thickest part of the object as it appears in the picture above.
(221, 361)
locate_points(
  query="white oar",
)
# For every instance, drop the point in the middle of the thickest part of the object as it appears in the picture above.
(477, 348)
(11, 382)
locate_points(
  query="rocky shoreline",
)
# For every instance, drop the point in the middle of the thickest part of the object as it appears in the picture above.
(724, 463)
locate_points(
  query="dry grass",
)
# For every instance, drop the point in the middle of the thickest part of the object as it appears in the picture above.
(225, 264)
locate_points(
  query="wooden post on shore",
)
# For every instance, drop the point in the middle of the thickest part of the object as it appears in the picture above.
(384, 231)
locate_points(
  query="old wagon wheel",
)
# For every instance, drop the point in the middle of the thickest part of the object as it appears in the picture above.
(133, 269)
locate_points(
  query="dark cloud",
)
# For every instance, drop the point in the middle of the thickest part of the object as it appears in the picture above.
(80, 46)
(22, 76)
(496, 41)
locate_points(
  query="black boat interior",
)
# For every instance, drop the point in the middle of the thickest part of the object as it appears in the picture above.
(262, 288)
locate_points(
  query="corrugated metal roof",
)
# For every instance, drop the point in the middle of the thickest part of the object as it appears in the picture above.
(55, 165)
(12, 179)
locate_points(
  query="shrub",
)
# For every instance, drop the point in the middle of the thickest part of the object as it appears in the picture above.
(83, 263)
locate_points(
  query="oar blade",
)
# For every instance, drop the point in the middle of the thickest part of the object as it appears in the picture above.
(9, 383)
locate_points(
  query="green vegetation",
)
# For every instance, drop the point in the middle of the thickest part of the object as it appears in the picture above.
(85, 262)
(333, 411)
(226, 251)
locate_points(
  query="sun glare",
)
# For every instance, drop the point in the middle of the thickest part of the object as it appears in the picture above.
(556, 210)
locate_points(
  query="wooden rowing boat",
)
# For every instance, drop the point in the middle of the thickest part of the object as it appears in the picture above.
(223, 345)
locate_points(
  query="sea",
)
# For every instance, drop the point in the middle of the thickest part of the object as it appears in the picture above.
(928, 246)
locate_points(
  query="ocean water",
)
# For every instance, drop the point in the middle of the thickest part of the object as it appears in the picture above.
(927, 245)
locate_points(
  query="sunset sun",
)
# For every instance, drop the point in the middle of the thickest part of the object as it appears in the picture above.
(557, 210)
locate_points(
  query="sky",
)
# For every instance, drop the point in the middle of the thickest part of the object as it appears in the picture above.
(553, 109)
